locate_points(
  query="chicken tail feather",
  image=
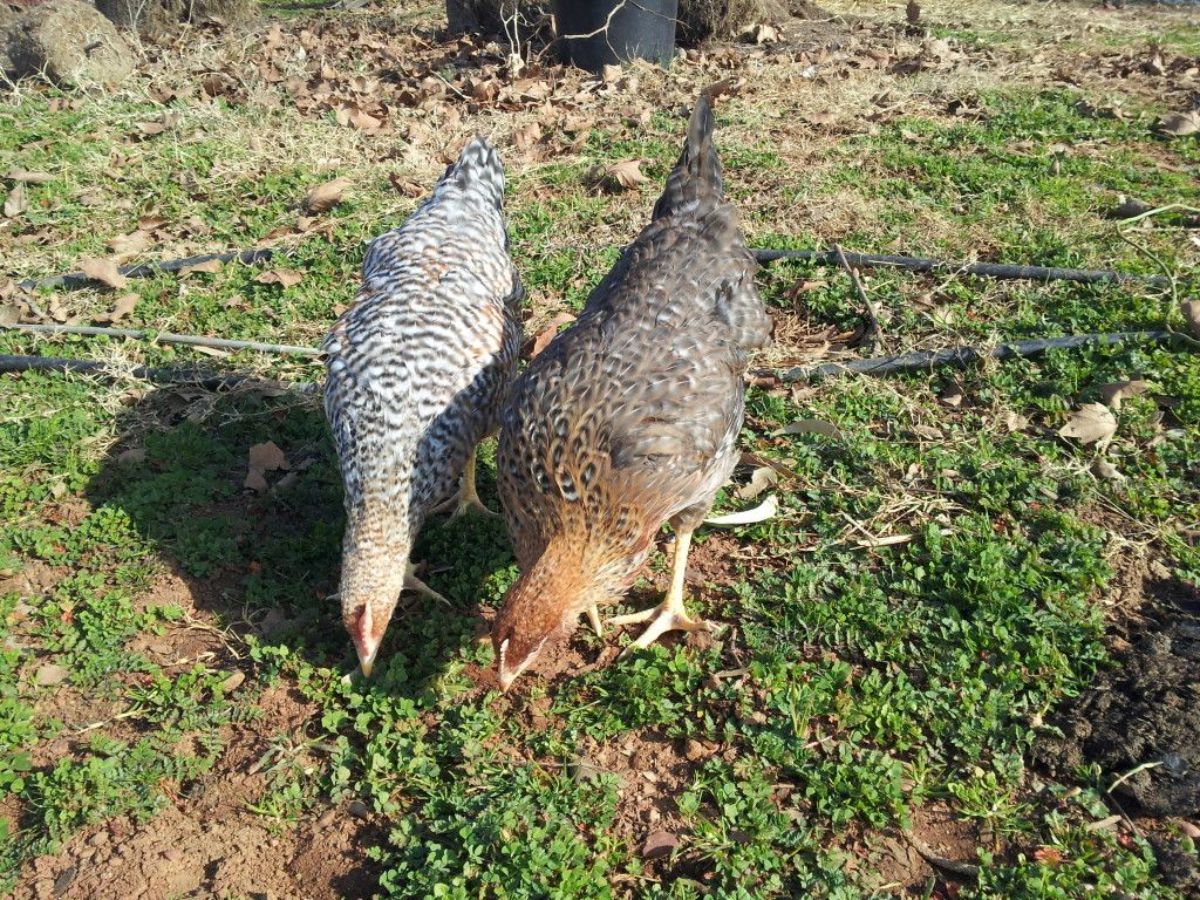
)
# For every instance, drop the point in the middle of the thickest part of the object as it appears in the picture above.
(479, 171)
(695, 182)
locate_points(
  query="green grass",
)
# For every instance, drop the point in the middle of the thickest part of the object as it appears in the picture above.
(873, 681)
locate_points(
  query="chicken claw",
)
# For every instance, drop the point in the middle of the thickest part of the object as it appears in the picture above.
(671, 614)
(416, 585)
(467, 498)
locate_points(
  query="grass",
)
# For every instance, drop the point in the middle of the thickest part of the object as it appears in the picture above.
(862, 684)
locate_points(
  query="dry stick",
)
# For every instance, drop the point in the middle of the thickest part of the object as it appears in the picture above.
(957, 356)
(871, 311)
(143, 270)
(165, 337)
(986, 270)
(197, 377)
(961, 869)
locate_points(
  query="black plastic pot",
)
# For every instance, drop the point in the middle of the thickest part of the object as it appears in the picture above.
(625, 30)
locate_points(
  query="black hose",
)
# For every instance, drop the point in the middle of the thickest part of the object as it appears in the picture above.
(144, 270)
(986, 270)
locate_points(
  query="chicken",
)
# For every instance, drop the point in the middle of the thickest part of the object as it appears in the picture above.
(416, 372)
(630, 418)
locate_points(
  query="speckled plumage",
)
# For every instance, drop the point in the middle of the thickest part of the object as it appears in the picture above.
(416, 371)
(630, 417)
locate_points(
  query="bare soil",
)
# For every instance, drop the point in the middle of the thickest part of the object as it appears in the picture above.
(1143, 714)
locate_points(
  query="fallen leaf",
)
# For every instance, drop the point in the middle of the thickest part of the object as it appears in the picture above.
(1048, 855)
(122, 307)
(912, 12)
(29, 177)
(547, 334)
(208, 267)
(131, 456)
(1114, 393)
(928, 432)
(1014, 421)
(326, 196)
(1102, 468)
(283, 277)
(1180, 124)
(364, 121)
(267, 457)
(406, 186)
(611, 74)
(627, 173)
(812, 426)
(524, 138)
(1128, 207)
(104, 271)
(16, 202)
(50, 674)
(1191, 315)
(255, 480)
(1092, 423)
(760, 479)
(233, 682)
(659, 844)
(129, 244)
(952, 396)
(10, 313)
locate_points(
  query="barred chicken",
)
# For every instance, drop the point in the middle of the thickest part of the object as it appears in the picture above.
(630, 418)
(416, 372)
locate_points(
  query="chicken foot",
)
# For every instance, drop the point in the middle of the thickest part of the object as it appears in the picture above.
(416, 585)
(671, 614)
(467, 499)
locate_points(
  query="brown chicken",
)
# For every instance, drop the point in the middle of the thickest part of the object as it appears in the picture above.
(630, 418)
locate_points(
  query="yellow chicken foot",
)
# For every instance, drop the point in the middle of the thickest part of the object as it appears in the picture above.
(593, 615)
(467, 500)
(670, 615)
(413, 583)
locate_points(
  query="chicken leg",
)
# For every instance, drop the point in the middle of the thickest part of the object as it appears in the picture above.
(467, 499)
(670, 615)
(417, 586)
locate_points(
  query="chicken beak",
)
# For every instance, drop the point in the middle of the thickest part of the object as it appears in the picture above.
(506, 679)
(366, 656)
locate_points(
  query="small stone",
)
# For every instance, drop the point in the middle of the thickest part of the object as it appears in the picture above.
(64, 879)
(659, 844)
(173, 855)
(50, 674)
(358, 809)
(99, 839)
(327, 819)
(694, 750)
(233, 682)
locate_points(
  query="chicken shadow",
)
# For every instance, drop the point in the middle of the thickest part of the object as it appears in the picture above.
(264, 561)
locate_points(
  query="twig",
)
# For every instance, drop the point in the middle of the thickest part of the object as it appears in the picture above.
(190, 340)
(143, 270)
(1142, 768)
(954, 866)
(196, 377)
(986, 270)
(956, 356)
(871, 311)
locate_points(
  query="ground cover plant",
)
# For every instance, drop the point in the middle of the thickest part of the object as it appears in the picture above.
(901, 700)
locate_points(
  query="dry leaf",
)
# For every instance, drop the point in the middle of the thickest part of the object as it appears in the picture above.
(1102, 468)
(283, 277)
(121, 308)
(1191, 315)
(611, 74)
(326, 196)
(627, 173)
(406, 186)
(208, 267)
(1014, 421)
(913, 12)
(526, 137)
(1092, 423)
(132, 455)
(812, 426)
(1114, 393)
(29, 177)
(760, 479)
(105, 271)
(952, 396)
(1180, 124)
(16, 202)
(659, 844)
(267, 457)
(255, 480)
(10, 313)
(547, 334)
(364, 121)
(129, 244)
